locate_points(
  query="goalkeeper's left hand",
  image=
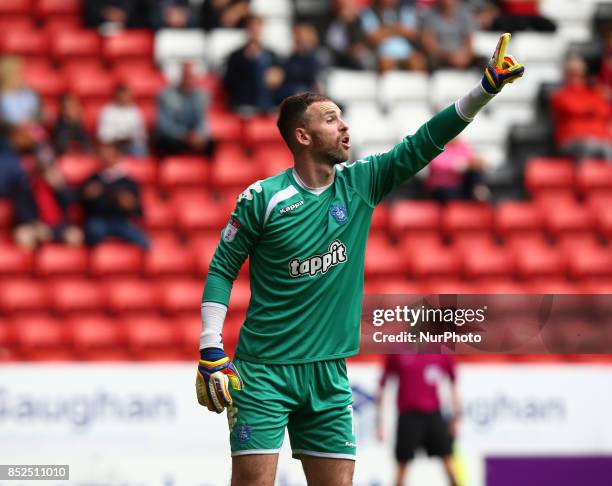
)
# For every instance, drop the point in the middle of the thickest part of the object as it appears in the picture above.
(215, 372)
(502, 68)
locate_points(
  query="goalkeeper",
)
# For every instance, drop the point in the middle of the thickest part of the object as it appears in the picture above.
(305, 232)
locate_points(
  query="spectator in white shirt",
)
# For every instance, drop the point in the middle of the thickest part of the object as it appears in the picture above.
(121, 123)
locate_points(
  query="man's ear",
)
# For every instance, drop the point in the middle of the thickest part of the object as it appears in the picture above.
(302, 136)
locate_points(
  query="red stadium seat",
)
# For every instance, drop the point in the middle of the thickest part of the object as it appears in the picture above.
(233, 171)
(6, 213)
(48, 8)
(380, 219)
(15, 260)
(72, 295)
(488, 262)
(189, 329)
(462, 216)
(16, 7)
(115, 259)
(521, 242)
(435, 262)
(131, 295)
(142, 169)
(571, 218)
(549, 173)
(203, 248)
(381, 259)
(93, 86)
(181, 296)
(91, 114)
(16, 22)
(594, 176)
(56, 259)
(473, 242)
(391, 286)
(225, 127)
(36, 335)
(591, 263)
(148, 335)
(558, 285)
(241, 295)
(200, 213)
(272, 158)
(411, 216)
(184, 171)
(158, 214)
(540, 262)
(23, 295)
(76, 44)
(29, 43)
(145, 83)
(414, 242)
(576, 242)
(129, 44)
(517, 216)
(604, 224)
(61, 23)
(261, 129)
(96, 338)
(168, 259)
(45, 80)
(448, 285)
(76, 168)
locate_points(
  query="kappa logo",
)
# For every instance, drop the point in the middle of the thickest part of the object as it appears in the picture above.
(293, 206)
(319, 263)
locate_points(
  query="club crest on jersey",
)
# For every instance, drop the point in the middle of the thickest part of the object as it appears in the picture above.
(244, 433)
(319, 263)
(339, 213)
(231, 229)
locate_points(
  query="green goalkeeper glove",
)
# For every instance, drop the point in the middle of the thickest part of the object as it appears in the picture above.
(502, 68)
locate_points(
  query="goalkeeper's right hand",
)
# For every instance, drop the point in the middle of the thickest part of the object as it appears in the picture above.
(502, 68)
(215, 372)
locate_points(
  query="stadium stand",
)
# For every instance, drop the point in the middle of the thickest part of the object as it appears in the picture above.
(547, 229)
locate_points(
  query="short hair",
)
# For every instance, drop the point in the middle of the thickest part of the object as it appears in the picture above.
(291, 113)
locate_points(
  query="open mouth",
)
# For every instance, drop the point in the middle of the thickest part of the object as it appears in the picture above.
(346, 142)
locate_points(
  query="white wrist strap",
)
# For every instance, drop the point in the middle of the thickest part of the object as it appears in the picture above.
(213, 316)
(469, 105)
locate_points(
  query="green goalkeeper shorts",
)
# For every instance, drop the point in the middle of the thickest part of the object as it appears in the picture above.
(313, 400)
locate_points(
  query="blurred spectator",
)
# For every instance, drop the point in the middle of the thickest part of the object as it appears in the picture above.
(420, 423)
(391, 29)
(224, 14)
(605, 71)
(111, 199)
(514, 15)
(113, 15)
(41, 208)
(170, 14)
(69, 133)
(13, 178)
(18, 103)
(182, 117)
(345, 38)
(582, 115)
(253, 73)
(303, 66)
(457, 173)
(122, 124)
(447, 35)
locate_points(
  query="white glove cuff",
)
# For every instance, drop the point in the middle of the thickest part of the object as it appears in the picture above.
(469, 105)
(213, 316)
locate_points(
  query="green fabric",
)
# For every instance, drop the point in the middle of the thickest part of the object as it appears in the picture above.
(318, 413)
(307, 251)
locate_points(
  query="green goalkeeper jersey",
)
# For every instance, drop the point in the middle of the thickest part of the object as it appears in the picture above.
(307, 251)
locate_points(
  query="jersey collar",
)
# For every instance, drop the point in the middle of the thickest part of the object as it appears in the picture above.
(317, 191)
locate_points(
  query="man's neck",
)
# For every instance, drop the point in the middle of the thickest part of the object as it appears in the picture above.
(314, 174)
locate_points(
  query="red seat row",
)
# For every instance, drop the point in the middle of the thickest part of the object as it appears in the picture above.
(69, 296)
(562, 177)
(40, 8)
(77, 44)
(98, 337)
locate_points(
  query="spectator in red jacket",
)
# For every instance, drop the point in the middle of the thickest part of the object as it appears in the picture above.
(514, 15)
(582, 115)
